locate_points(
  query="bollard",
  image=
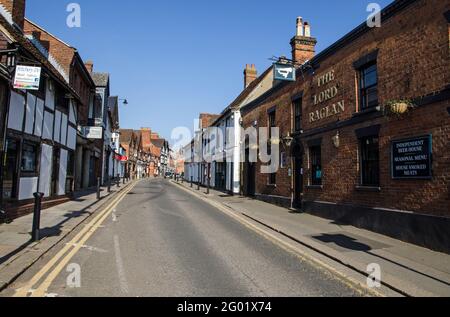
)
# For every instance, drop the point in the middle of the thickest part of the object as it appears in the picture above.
(192, 179)
(198, 185)
(98, 187)
(37, 216)
(118, 180)
(109, 185)
(209, 186)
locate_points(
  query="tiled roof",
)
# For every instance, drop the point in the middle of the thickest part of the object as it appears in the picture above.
(33, 50)
(100, 79)
(126, 135)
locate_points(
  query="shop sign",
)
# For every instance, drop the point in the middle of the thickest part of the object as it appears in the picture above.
(93, 133)
(412, 158)
(27, 77)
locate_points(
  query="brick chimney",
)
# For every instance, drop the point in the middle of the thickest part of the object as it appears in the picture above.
(303, 45)
(90, 66)
(250, 74)
(17, 10)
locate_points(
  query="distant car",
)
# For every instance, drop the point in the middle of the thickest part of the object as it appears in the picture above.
(169, 174)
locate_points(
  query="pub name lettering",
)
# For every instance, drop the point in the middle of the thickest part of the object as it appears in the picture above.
(324, 96)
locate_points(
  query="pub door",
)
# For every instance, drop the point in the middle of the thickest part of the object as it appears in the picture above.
(298, 177)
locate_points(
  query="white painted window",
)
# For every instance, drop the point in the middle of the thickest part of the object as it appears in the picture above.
(27, 187)
(72, 113)
(71, 138)
(47, 132)
(64, 129)
(62, 173)
(39, 117)
(45, 169)
(57, 129)
(16, 111)
(50, 94)
(29, 118)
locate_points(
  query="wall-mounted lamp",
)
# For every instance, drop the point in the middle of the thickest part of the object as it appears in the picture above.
(125, 101)
(288, 140)
(336, 140)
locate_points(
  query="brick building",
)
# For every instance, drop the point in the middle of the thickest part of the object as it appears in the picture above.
(369, 118)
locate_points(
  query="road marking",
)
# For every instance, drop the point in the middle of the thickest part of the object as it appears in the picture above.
(78, 240)
(114, 216)
(91, 248)
(120, 267)
(351, 282)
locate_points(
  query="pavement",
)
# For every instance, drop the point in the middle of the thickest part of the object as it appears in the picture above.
(406, 269)
(18, 253)
(160, 240)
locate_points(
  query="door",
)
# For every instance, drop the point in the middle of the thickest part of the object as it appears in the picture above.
(55, 172)
(250, 176)
(298, 190)
(92, 169)
(10, 170)
(297, 153)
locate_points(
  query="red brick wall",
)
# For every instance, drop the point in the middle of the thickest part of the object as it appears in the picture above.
(413, 61)
(17, 10)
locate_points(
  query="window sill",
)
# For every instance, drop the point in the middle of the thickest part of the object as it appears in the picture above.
(315, 187)
(367, 111)
(372, 189)
(272, 185)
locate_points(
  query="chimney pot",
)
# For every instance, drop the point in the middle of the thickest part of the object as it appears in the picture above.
(300, 26)
(307, 29)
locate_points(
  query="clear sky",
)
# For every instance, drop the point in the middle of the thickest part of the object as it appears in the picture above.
(174, 59)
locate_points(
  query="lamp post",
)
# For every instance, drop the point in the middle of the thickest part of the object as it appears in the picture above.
(287, 140)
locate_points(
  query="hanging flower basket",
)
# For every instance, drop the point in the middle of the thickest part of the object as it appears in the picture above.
(398, 107)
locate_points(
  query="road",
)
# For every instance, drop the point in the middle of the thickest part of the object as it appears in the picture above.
(162, 241)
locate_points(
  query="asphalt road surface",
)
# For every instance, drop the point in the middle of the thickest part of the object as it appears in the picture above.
(162, 241)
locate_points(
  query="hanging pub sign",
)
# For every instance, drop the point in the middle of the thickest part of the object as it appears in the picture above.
(27, 77)
(412, 158)
(284, 72)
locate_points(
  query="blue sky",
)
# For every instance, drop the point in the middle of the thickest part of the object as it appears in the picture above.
(174, 59)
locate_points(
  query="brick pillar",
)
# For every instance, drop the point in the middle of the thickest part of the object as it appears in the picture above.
(250, 74)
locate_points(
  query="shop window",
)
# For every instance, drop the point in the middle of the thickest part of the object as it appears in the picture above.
(10, 170)
(273, 179)
(368, 89)
(315, 153)
(298, 115)
(370, 161)
(29, 157)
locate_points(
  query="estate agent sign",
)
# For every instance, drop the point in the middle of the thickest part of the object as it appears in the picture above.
(27, 77)
(411, 159)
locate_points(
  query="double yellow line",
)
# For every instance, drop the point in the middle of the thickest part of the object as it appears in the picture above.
(73, 246)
